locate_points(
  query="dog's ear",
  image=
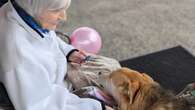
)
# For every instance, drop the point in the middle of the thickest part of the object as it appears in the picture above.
(134, 88)
(124, 90)
(129, 90)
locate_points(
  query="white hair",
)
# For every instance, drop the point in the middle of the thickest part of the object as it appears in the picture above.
(34, 7)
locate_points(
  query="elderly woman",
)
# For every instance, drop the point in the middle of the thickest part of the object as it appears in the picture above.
(33, 60)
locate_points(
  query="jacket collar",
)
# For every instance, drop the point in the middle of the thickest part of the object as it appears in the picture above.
(29, 19)
(14, 16)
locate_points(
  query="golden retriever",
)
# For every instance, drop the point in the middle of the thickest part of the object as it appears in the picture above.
(138, 91)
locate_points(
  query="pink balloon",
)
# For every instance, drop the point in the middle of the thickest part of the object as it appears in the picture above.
(86, 39)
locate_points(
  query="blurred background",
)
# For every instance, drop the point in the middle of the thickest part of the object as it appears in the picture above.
(131, 28)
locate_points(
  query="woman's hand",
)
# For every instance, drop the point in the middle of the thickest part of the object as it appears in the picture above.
(78, 57)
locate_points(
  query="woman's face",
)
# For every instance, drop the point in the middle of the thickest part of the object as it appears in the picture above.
(49, 19)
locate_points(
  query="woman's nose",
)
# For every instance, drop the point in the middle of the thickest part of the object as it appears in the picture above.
(63, 15)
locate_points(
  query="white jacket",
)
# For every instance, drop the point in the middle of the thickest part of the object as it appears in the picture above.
(33, 68)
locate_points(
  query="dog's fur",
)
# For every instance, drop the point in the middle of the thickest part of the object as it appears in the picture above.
(137, 91)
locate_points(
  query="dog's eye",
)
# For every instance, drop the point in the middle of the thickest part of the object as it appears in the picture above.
(99, 73)
(101, 86)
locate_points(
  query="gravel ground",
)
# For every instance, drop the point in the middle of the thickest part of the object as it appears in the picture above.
(130, 28)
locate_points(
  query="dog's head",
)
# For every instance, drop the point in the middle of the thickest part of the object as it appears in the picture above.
(130, 87)
(138, 91)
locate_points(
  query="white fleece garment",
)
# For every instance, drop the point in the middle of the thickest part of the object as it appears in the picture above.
(33, 68)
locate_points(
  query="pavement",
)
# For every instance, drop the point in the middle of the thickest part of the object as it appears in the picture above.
(132, 28)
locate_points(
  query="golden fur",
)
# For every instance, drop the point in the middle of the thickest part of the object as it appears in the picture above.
(138, 91)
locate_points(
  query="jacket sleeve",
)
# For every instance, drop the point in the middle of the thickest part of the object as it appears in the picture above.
(29, 88)
(66, 48)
